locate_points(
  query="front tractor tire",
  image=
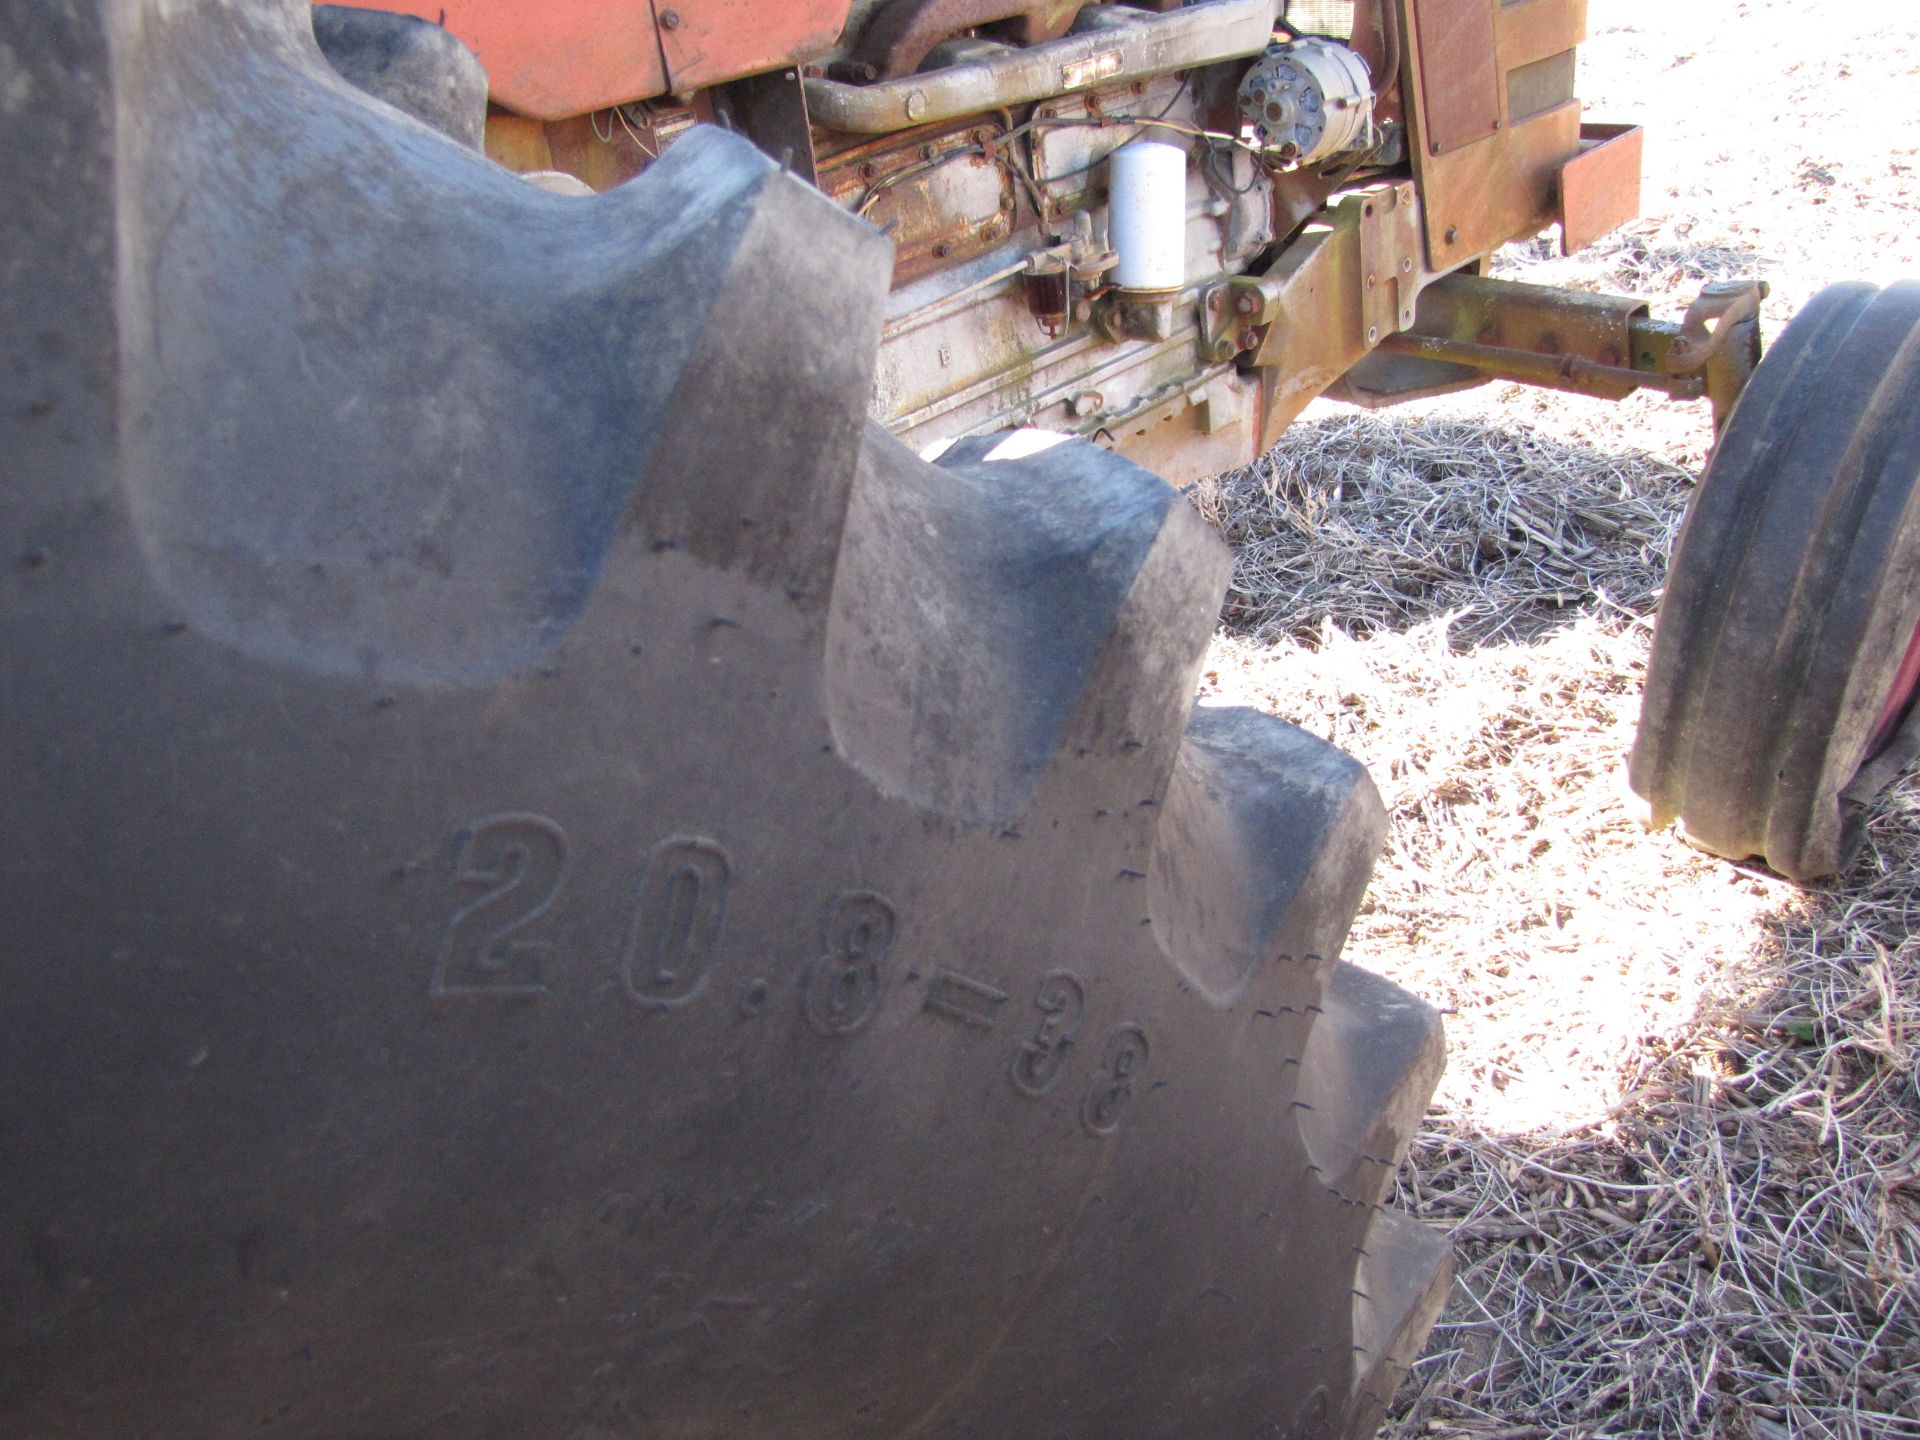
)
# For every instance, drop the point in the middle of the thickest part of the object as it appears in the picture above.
(1787, 651)
(558, 883)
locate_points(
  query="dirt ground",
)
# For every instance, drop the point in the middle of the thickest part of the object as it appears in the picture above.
(1678, 1144)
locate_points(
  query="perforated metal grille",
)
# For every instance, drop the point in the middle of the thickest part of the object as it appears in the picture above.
(1321, 17)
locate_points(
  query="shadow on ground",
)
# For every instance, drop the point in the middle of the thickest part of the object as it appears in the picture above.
(1735, 1249)
(1386, 524)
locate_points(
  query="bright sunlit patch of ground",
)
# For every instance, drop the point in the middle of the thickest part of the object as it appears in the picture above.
(1518, 891)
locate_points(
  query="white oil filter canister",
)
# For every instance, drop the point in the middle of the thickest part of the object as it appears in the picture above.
(1147, 215)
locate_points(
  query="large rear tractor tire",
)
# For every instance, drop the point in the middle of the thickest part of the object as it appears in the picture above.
(1788, 646)
(558, 884)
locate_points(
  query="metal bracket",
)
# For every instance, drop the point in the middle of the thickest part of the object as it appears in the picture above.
(1601, 345)
(1711, 322)
(771, 111)
(1348, 283)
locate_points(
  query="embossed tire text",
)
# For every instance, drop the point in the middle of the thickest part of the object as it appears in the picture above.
(558, 884)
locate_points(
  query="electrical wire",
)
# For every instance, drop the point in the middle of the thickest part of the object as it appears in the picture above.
(1027, 176)
(1222, 184)
(1030, 179)
(619, 113)
(635, 135)
(1104, 121)
(912, 172)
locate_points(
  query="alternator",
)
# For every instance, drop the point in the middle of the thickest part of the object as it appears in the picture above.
(1309, 99)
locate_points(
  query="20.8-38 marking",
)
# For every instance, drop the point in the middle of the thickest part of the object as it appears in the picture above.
(678, 907)
(519, 863)
(503, 856)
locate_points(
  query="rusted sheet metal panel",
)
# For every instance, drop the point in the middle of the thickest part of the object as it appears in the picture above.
(934, 194)
(1502, 189)
(707, 41)
(1459, 72)
(1600, 187)
(1504, 185)
(561, 58)
(1530, 30)
(549, 61)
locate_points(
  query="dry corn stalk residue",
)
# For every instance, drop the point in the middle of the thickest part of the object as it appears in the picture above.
(1678, 1141)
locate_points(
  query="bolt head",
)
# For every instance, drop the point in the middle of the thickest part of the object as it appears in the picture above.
(669, 19)
(1247, 303)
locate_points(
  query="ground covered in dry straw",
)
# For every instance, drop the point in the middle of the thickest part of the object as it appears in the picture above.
(1678, 1143)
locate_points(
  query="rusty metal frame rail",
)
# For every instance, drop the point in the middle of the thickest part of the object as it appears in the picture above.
(1583, 344)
